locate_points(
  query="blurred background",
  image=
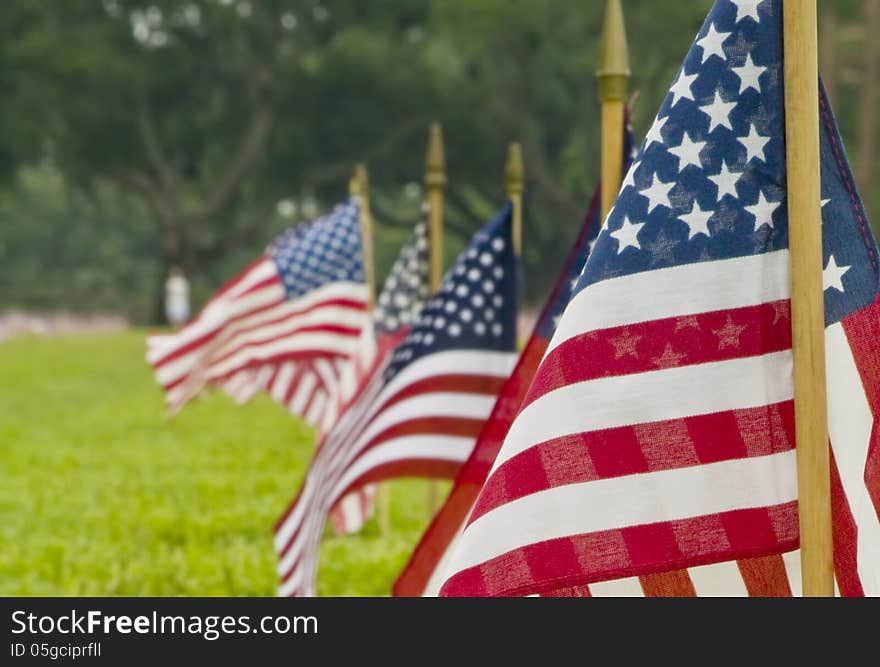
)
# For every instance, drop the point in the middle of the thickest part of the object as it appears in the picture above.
(137, 136)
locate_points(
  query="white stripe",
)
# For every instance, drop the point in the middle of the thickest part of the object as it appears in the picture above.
(659, 395)
(640, 499)
(428, 405)
(321, 316)
(214, 310)
(304, 388)
(687, 289)
(792, 562)
(320, 343)
(718, 580)
(281, 383)
(628, 587)
(237, 316)
(437, 447)
(316, 408)
(168, 371)
(437, 578)
(272, 293)
(849, 425)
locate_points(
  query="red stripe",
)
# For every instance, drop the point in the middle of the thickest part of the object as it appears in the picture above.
(250, 333)
(632, 551)
(572, 592)
(252, 346)
(467, 384)
(846, 538)
(271, 382)
(675, 584)
(209, 335)
(230, 332)
(295, 379)
(298, 356)
(765, 576)
(405, 467)
(628, 450)
(862, 330)
(666, 343)
(227, 330)
(446, 523)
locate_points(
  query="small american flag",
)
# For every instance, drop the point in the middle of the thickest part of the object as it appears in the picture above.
(658, 433)
(423, 573)
(400, 301)
(303, 303)
(425, 403)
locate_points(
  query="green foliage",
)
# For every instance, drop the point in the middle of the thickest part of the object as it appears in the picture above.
(102, 495)
(210, 112)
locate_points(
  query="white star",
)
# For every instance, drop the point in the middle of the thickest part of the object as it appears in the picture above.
(654, 136)
(627, 235)
(681, 89)
(657, 193)
(754, 145)
(832, 274)
(748, 75)
(712, 42)
(763, 211)
(719, 112)
(726, 181)
(747, 9)
(688, 152)
(697, 220)
(825, 201)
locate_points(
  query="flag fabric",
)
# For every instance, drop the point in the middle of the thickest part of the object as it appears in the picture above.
(399, 303)
(421, 411)
(656, 441)
(421, 576)
(302, 303)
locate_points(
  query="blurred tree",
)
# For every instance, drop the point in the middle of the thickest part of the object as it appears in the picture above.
(229, 119)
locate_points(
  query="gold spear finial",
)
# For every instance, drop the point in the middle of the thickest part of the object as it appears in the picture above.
(435, 174)
(513, 170)
(360, 174)
(354, 185)
(613, 68)
(513, 180)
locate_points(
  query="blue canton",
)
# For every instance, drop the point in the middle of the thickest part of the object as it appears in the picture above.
(321, 251)
(709, 180)
(475, 307)
(406, 288)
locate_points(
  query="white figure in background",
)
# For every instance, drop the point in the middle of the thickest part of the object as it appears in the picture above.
(176, 298)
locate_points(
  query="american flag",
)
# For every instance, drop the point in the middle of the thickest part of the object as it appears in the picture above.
(400, 301)
(423, 573)
(658, 433)
(300, 306)
(425, 404)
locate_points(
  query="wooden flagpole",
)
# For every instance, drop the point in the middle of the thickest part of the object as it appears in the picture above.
(435, 181)
(359, 186)
(513, 182)
(800, 44)
(613, 74)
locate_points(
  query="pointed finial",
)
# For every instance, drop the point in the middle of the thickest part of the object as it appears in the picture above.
(360, 174)
(513, 170)
(613, 69)
(354, 185)
(435, 175)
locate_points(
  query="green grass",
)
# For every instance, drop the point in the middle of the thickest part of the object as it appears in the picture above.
(100, 494)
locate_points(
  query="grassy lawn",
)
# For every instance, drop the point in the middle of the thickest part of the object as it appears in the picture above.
(100, 494)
